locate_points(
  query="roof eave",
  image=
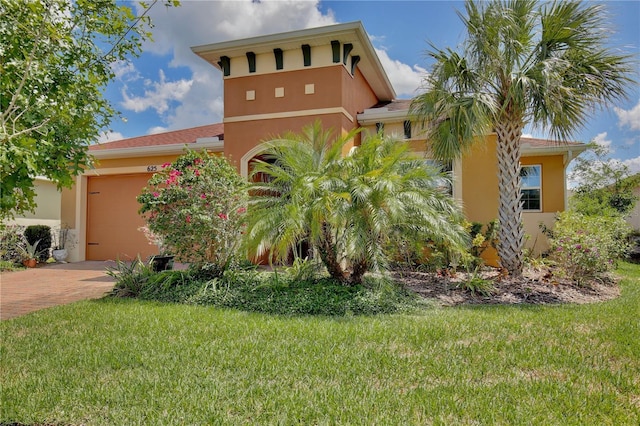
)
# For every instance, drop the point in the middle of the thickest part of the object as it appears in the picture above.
(149, 151)
(367, 118)
(553, 150)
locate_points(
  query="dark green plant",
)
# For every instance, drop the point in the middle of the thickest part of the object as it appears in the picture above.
(11, 239)
(325, 296)
(131, 277)
(305, 269)
(170, 286)
(477, 285)
(40, 233)
(346, 208)
(57, 58)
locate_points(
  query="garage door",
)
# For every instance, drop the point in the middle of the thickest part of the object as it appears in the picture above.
(113, 219)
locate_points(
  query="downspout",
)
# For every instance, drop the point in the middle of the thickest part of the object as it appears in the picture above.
(568, 158)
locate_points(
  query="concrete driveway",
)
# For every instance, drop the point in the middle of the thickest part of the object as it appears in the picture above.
(30, 290)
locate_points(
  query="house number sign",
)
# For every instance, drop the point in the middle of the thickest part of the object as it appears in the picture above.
(152, 168)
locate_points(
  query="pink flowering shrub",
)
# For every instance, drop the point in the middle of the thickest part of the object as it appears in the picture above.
(586, 246)
(197, 205)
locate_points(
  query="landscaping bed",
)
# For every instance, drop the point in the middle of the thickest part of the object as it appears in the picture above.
(536, 286)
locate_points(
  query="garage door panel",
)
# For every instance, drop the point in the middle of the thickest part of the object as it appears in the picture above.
(113, 219)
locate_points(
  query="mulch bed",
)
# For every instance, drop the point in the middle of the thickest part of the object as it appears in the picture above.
(536, 286)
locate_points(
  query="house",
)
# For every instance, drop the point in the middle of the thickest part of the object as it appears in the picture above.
(633, 219)
(47, 211)
(283, 82)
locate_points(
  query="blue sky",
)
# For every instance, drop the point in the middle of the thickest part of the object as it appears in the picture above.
(170, 88)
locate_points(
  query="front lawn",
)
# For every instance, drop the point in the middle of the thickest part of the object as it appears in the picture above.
(123, 361)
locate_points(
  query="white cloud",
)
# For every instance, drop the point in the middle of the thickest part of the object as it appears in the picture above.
(196, 23)
(157, 95)
(601, 140)
(125, 70)
(157, 129)
(405, 79)
(109, 136)
(630, 118)
(633, 164)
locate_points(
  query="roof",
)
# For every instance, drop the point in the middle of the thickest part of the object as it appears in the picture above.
(182, 137)
(536, 146)
(209, 137)
(350, 32)
(398, 109)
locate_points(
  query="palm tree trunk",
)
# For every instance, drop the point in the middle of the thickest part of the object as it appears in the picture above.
(511, 234)
(329, 255)
(359, 269)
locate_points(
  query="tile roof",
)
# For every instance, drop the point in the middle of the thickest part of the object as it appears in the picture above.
(183, 136)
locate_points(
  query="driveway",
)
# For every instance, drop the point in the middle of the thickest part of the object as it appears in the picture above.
(30, 290)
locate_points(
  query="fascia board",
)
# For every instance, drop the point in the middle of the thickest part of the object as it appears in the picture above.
(552, 150)
(148, 151)
(383, 116)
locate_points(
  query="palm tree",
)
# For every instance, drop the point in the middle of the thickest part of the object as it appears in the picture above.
(522, 64)
(346, 208)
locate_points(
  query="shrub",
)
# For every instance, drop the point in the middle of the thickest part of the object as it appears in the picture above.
(586, 246)
(477, 285)
(131, 277)
(196, 205)
(40, 233)
(11, 240)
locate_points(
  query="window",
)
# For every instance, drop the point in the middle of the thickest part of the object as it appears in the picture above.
(380, 128)
(531, 192)
(407, 129)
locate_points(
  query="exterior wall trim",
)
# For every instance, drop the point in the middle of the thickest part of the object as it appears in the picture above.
(154, 150)
(292, 114)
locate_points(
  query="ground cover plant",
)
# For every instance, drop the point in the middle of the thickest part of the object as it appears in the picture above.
(139, 362)
(284, 291)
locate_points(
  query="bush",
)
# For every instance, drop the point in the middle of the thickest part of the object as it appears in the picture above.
(42, 233)
(131, 277)
(11, 239)
(587, 246)
(196, 205)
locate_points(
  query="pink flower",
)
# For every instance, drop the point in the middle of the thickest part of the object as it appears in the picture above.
(165, 165)
(196, 172)
(203, 196)
(188, 218)
(223, 216)
(241, 210)
(156, 194)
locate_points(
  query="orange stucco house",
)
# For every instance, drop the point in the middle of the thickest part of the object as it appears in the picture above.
(283, 82)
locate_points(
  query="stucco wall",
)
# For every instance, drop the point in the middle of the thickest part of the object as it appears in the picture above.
(47, 212)
(634, 217)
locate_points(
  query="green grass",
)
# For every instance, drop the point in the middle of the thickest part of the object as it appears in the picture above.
(123, 361)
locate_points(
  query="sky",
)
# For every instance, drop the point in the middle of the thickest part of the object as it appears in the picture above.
(169, 88)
